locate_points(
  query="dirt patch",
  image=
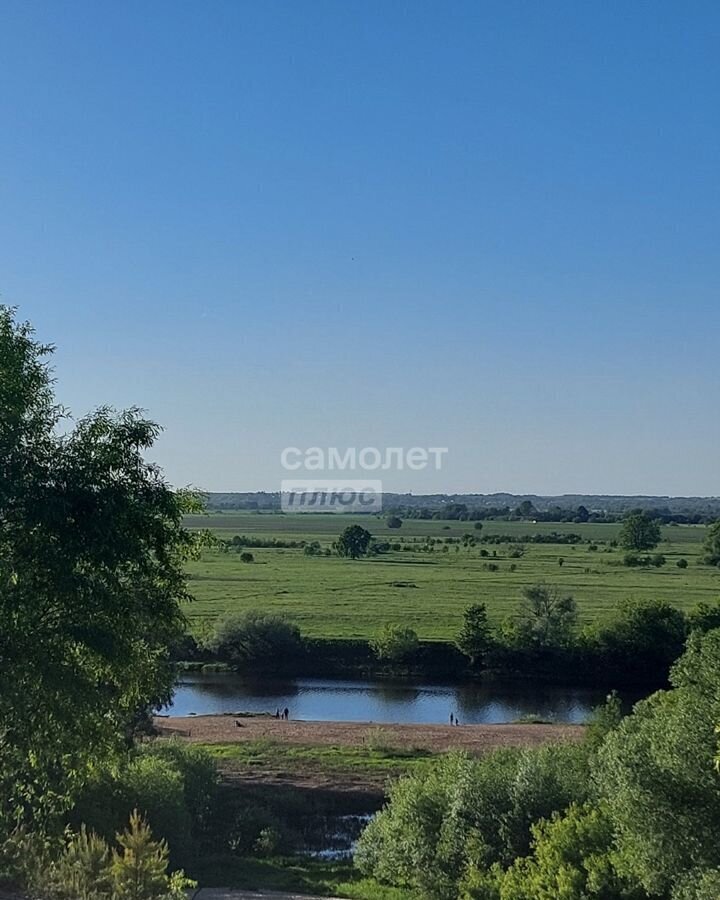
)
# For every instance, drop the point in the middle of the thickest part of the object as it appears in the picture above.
(476, 739)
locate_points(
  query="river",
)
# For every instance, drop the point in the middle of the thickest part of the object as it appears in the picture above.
(384, 701)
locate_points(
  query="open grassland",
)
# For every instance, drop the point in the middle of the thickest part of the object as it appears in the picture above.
(332, 597)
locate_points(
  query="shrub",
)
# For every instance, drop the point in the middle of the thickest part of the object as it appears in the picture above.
(150, 784)
(246, 557)
(571, 858)
(395, 643)
(438, 819)
(640, 638)
(682, 564)
(255, 639)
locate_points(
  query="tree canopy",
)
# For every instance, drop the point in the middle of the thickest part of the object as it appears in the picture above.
(353, 542)
(640, 531)
(92, 552)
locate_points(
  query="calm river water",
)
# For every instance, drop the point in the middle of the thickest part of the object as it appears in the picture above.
(383, 701)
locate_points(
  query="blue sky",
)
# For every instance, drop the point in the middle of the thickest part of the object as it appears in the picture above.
(490, 226)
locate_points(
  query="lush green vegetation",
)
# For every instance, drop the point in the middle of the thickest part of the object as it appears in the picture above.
(92, 554)
(634, 812)
(429, 589)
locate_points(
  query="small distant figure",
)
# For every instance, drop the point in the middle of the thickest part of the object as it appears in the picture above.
(457, 721)
(277, 713)
(452, 719)
(238, 724)
(286, 713)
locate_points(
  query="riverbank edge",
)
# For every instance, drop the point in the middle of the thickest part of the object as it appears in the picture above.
(225, 728)
(433, 662)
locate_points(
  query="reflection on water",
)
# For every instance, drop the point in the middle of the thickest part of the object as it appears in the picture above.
(383, 701)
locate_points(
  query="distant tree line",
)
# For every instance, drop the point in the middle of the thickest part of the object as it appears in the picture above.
(468, 507)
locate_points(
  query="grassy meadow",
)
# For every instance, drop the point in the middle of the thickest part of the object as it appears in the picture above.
(332, 597)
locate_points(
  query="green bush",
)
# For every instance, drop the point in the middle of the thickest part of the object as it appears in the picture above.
(395, 643)
(461, 810)
(257, 639)
(657, 774)
(172, 784)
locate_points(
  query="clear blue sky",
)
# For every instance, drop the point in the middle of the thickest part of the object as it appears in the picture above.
(491, 226)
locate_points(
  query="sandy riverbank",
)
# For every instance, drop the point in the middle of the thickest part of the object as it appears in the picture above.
(437, 738)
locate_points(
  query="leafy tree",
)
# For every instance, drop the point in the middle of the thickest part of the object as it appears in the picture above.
(395, 643)
(172, 783)
(657, 774)
(354, 542)
(92, 554)
(711, 546)
(582, 514)
(255, 638)
(641, 638)
(247, 557)
(462, 810)
(526, 510)
(572, 859)
(547, 618)
(640, 532)
(394, 522)
(705, 617)
(476, 636)
(478, 526)
(699, 884)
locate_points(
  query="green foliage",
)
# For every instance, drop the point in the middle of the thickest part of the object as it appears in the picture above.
(255, 639)
(82, 871)
(711, 546)
(476, 636)
(546, 619)
(461, 811)
(640, 532)
(173, 785)
(353, 542)
(604, 719)
(638, 636)
(139, 867)
(395, 643)
(393, 522)
(199, 773)
(92, 555)
(246, 557)
(658, 777)
(572, 859)
(85, 867)
(700, 884)
(705, 617)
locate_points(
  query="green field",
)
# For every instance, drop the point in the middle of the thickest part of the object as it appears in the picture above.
(333, 597)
